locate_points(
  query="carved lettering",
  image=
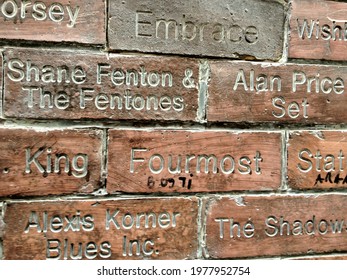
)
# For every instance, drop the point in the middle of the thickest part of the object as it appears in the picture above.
(117, 220)
(47, 162)
(55, 12)
(312, 29)
(133, 77)
(321, 162)
(185, 30)
(257, 82)
(282, 227)
(316, 84)
(19, 71)
(138, 247)
(235, 229)
(59, 223)
(201, 163)
(129, 101)
(66, 250)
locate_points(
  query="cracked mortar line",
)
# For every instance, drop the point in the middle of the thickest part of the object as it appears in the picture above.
(200, 225)
(106, 23)
(104, 164)
(207, 196)
(286, 35)
(2, 93)
(284, 167)
(2, 227)
(204, 78)
(204, 214)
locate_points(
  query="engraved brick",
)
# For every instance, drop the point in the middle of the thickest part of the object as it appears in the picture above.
(276, 93)
(318, 30)
(49, 162)
(50, 84)
(249, 226)
(148, 228)
(237, 29)
(185, 161)
(57, 21)
(317, 159)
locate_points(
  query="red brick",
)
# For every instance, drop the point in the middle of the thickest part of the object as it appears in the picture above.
(34, 162)
(57, 21)
(326, 15)
(235, 94)
(317, 159)
(261, 218)
(157, 92)
(138, 161)
(165, 228)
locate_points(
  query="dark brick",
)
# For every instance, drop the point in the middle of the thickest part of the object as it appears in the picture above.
(250, 29)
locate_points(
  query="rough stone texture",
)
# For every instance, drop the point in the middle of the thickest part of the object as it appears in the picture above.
(276, 93)
(169, 233)
(140, 88)
(322, 17)
(237, 29)
(317, 160)
(230, 167)
(55, 21)
(29, 163)
(266, 239)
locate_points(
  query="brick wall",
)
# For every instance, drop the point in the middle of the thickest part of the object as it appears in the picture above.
(173, 129)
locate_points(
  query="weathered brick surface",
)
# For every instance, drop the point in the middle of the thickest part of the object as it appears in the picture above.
(102, 229)
(81, 21)
(280, 93)
(316, 160)
(49, 84)
(249, 226)
(133, 135)
(238, 29)
(49, 162)
(318, 30)
(183, 161)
